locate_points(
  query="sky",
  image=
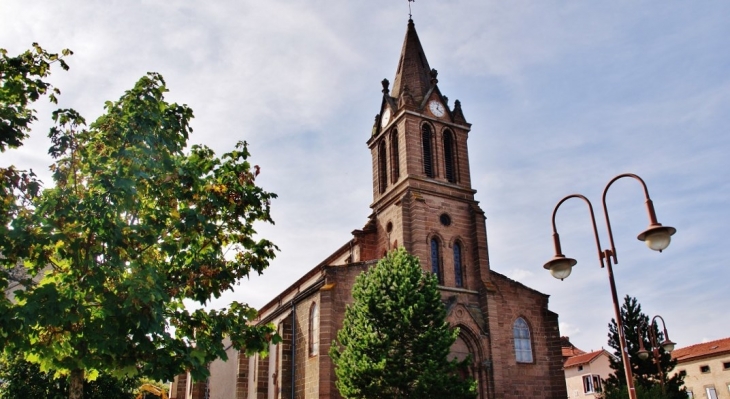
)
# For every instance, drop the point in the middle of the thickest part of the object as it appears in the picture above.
(562, 97)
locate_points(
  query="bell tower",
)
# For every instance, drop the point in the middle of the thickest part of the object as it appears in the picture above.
(422, 194)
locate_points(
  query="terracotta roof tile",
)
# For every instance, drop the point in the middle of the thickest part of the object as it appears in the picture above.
(704, 349)
(583, 359)
(572, 351)
(568, 348)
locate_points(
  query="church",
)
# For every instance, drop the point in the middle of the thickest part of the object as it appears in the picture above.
(423, 200)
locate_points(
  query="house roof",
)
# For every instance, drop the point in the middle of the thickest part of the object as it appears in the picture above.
(584, 358)
(571, 351)
(705, 349)
(568, 348)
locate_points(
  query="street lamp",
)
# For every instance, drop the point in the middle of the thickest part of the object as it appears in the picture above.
(656, 236)
(667, 345)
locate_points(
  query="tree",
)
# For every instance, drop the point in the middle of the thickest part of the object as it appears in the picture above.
(137, 226)
(22, 379)
(21, 84)
(646, 377)
(395, 341)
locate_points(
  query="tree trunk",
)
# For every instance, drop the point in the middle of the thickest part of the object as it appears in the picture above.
(76, 388)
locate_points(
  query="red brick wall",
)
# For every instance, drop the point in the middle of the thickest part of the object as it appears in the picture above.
(182, 386)
(284, 349)
(306, 382)
(262, 377)
(544, 378)
(198, 390)
(242, 377)
(334, 300)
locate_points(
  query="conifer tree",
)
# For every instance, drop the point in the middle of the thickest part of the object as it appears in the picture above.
(646, 376)
(395, 341)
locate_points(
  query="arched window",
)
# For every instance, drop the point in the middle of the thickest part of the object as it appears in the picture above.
(426, 136)
(394, 157)
(314, 330)
(449, 157)
(458, 270)
(436, 259)
(383, 167)
(523, 345)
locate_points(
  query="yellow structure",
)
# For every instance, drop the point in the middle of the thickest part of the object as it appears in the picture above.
(151, 389)
(707, 369)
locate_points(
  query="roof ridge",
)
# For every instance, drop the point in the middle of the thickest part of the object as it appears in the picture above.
(703, 343)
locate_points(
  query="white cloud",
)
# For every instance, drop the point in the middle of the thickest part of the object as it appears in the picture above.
(561, 97)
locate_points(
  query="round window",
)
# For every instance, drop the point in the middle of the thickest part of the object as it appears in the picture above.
(445, 219)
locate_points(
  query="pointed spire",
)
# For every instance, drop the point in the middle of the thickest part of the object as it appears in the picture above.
(413, 70)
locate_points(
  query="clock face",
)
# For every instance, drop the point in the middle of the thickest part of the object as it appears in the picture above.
(385, 118)
(436, 108)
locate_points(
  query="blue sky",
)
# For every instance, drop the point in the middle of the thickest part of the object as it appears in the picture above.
(562, 97)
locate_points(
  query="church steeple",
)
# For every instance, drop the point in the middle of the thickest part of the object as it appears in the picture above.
(417, 140)
(413, 71)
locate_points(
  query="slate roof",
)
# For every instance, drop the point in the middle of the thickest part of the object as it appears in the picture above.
(413, 69)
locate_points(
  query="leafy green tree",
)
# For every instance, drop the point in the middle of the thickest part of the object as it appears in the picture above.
(646, 375)
(654, 392)
(137, 226)
(395, 341)
(22, 379)
(21, 84)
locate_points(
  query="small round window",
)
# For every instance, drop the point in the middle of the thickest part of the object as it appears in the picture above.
(389, 227)
(445, 219)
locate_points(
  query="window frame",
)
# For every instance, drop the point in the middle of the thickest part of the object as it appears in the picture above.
(450, 169)
(427, 148)
(436, 263)
(313, 329)
(382, 167)
(458, 251)
(592, 383)
(394, 156)
(522, 343)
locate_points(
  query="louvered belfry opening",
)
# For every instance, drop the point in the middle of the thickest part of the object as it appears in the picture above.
(395, 157)
(427, 151)
(383, 167)
(449, 166)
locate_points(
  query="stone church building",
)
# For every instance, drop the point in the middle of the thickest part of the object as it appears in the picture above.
(423, 200)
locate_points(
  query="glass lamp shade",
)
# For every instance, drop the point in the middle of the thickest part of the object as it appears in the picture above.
(560, 266)
(643, 354)
(668, 346)
(657, 237)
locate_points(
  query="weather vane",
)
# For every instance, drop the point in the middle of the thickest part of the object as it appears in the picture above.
(410, 16)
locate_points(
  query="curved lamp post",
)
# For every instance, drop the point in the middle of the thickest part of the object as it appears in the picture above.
(656, 236)
(667, 345)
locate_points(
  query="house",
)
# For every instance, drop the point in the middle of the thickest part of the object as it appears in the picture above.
(423, 200)
(706, 367)
(584, 372)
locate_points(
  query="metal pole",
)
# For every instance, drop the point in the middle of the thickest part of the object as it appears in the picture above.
(657, 360)
(620, 328)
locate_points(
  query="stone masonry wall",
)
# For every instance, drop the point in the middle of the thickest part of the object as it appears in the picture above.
(544, 378)
(306, 365)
